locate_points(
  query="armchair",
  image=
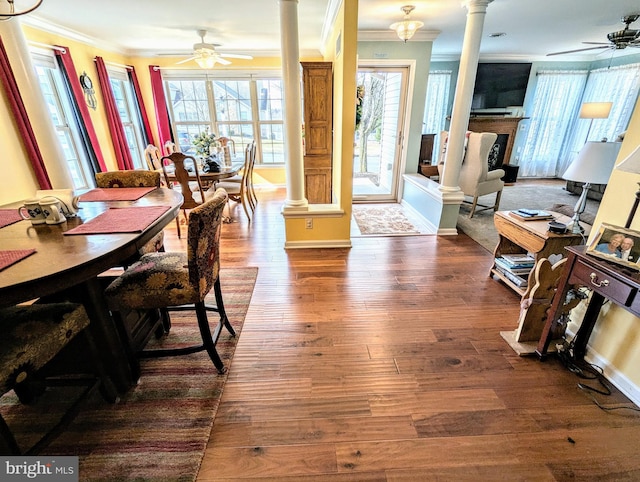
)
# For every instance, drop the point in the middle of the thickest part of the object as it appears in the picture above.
(475, 178)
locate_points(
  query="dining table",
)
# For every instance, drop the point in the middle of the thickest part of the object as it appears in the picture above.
(70, 257)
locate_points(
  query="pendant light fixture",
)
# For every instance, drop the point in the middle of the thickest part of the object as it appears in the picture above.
(407, 27)
(11, 8)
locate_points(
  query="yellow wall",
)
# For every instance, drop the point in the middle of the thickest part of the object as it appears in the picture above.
(616, 336)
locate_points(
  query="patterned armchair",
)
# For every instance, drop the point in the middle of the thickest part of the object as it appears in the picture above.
(168, 281)
(31, 337)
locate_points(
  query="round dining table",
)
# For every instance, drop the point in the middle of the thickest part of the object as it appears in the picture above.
(73, 263)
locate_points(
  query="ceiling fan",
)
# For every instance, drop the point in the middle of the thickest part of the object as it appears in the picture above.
(617, 40)
(206, 56)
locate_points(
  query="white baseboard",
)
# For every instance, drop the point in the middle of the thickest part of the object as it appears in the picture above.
(330, 243)
(617, 379)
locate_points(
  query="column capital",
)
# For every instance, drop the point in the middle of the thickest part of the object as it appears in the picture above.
(476, 5)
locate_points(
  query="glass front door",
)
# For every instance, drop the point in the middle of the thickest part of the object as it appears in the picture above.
(378, 144)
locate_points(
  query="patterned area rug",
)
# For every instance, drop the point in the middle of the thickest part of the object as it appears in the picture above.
(159, 429)
(383, 220)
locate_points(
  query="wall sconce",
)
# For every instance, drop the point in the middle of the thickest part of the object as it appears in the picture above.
(407, 27)
(8, 8)
(595, 110)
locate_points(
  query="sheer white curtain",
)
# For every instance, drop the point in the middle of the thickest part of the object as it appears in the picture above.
(618, 85)
(435, 111)
(556, 104)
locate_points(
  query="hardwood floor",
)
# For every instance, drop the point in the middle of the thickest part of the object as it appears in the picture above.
(384, 362)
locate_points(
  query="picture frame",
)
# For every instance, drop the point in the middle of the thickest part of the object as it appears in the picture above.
(609, 242)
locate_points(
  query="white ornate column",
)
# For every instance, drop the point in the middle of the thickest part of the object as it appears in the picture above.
(294, 161)
(464, 92)
(20, 59)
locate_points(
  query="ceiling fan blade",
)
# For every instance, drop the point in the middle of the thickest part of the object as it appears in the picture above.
(236, 56)
(597, 43)
(222, 61)
(185, 60)
(579, 50)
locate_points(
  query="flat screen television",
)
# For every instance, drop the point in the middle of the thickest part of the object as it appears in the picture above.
(500, 85)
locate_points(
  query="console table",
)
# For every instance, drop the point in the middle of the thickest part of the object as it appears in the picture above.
(607, 280)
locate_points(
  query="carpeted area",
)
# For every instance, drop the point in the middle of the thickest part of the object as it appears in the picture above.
(386, 220)
(160, 428)
(526, 193)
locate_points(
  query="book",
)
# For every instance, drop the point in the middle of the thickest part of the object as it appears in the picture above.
(513, 269)
(519, 258)
(519, 281)
(531, 214)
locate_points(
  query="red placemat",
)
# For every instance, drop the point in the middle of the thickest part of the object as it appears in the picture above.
(12, 256)
(9, 216)
(121, 220)
(116, 194)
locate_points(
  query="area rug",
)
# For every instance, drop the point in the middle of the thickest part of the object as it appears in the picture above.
(531, 194)
(159, 429)
(383, 220)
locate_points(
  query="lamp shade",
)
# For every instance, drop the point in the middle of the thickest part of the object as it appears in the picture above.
(594, 163)
(631, 163)
(595, 110)
(407, 28)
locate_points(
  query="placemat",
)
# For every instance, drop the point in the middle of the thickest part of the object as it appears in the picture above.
(121, 220)
(9, 216)
(12, 256)
(115, 194)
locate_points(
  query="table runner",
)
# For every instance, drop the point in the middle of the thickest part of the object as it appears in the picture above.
(9, 216)
(12, 256)
(116, 194)
(121, 220)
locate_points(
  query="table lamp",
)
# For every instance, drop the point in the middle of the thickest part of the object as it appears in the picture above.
(631, 163)
(592, 166)
(595, 110)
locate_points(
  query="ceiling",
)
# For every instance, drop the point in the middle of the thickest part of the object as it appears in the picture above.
(533, 28)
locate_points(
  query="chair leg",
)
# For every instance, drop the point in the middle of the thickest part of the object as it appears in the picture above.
(178, 224)
(473, 206)
(207, 338)
(224, 320)
(498, 196)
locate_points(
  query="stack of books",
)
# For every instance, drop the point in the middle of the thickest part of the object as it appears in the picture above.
(515, 267)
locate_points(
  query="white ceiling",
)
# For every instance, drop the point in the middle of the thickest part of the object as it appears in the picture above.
(533, 28)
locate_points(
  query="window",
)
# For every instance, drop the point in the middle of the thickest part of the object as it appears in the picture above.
(128, 110)
(61, 112)
(242, 108)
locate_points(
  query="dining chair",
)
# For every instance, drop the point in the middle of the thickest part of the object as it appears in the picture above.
(152, 156)
(239, 190)
(32, 337)
(180, 167)
(134, 178)
(180, 281)
(170, 147)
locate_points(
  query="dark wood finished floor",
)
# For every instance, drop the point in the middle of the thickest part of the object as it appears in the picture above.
(384, 363)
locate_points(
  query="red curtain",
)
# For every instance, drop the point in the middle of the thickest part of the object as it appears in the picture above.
(162, 116)
(71, 75)
(22, 120)
(120, 145)
(143, 111)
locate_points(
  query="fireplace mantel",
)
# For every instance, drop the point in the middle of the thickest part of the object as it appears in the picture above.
(499, 125)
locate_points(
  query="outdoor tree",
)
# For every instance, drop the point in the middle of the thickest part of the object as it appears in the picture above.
(371, 106)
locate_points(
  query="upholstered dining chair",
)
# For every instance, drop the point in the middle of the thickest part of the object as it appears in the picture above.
(240, 189)
(32, 336)
(475, 178)
(180, 281)
(134, 178)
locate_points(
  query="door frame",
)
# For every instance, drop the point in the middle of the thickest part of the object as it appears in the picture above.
(404, 116)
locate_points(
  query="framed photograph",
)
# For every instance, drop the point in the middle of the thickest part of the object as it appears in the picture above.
(616, 244)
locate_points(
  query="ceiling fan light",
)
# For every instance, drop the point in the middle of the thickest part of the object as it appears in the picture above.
(205, 61)
(407, 28)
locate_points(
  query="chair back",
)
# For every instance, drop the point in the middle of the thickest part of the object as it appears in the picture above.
(170, 147)
(178, 164)
(203, 242)
(228, 142)
(152, 156)
(135, 178)
(475, 165)
(250, 160)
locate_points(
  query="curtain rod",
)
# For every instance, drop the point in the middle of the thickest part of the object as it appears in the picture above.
(52, 47)
(114, 64)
